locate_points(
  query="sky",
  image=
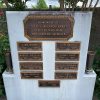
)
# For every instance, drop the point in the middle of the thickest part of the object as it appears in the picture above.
(93, 3)
(56, 3)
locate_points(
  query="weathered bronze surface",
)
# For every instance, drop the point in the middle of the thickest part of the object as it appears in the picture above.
(31, 65)
(29, 46)
(63, 56)
(49, 83)
(8, 59)
(89, 62)
(48, 26)
(71, 46)
(65, 75)
(32, 75)
(27, 56)
(66, 66)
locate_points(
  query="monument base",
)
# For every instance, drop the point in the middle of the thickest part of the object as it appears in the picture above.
(81, 90)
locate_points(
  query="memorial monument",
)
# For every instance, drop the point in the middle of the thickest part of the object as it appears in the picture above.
(49, 52)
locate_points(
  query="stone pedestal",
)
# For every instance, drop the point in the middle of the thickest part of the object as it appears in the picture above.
(80, 88)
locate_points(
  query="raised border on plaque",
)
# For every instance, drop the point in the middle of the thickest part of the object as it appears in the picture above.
(68, 46)
(65, 75)
(27, 46)
(31, 75)
(31, 65)
(30, 56)
(66, 66)
(44, 33)
(67, 56)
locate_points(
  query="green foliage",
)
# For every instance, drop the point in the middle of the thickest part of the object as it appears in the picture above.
(55, 7)
(41, 5)
(96, 66)
(2, 5)
(72, 3)
(1, 92)
(33, 7)
(4, 45)
(17, 5)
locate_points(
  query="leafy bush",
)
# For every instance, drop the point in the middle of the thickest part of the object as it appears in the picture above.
(16, 5)
(4, 45)
(1, 4)
(96, 66)
(41, 5)
(34, 7)
(19, 5)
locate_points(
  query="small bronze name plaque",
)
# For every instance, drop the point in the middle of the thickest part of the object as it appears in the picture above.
(49, 83)
(32, 75)
(26, 56)
(29, 46)
(31, 65)
(65, 75)
(71, 46)
(67, 56)
(66, 66)
(48, 26)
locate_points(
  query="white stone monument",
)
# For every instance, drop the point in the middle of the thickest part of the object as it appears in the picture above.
(49, 68)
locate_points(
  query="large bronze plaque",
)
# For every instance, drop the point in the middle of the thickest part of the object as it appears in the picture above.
(27, 56)
(65, 75)
(31, 65)
(32, 75)
(63, 56)
(48, 26)
(49, 83)
(29, 46)
(71, 46)
(66, 66)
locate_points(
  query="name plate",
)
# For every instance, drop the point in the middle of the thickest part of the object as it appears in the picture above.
(48, 26)
(29, 46)
(66, 66)
(27, 56)
(71, 46)
(65, 75)
(31, 65)
(32, 75)
(49, 83)
(67, 56)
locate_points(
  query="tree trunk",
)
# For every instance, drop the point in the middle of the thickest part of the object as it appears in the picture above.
(83, 5)
(90, 4)
(95, 5)
(69, 5)
(62, 5)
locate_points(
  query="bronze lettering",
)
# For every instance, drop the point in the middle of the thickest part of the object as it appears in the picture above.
(73, 46)
(67, 56)
(65, 75)
(32, 75)
(66, 66)
(49, 83)
(31, 65)
(27, 56)
(29, 46)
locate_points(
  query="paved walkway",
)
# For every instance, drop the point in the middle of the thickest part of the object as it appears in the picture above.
(4, 98)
